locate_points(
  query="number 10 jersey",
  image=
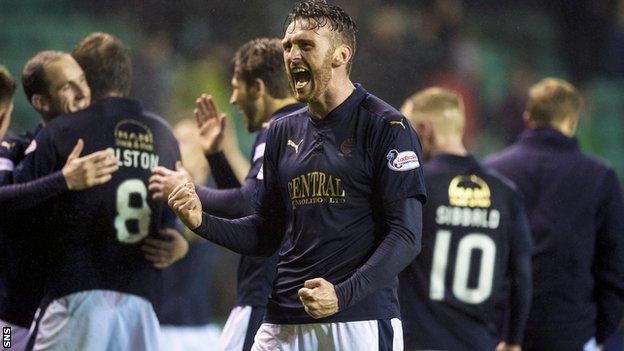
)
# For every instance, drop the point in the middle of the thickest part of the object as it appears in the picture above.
(94, 235)
(475, 242)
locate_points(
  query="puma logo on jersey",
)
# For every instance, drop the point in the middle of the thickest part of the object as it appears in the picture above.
(293, 145)
(392, 123)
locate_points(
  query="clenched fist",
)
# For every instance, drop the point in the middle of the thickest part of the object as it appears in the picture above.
(185, 203)
(319, 298)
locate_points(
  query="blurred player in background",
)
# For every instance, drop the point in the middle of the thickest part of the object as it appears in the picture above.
(475, 237)
(192, 289)
(261, 91)
(340, 198)
(101, 284)
(576, 215)
(53, 80)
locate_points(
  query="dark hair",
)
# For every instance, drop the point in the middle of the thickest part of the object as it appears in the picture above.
(7, 85)
(33, 75)
(263, 58)
(106, 63)
(319, 14)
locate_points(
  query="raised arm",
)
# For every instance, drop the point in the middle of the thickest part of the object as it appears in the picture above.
(259, 234)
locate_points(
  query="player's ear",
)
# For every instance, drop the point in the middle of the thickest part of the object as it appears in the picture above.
(342, 55)
(528, 121)
(40, 103)
(258, 88)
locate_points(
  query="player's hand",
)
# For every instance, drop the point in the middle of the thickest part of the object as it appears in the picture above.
(88, 171)
(503, 346)
(185, 203)
(166, 250)
(319, 298)
(211, 124)
(163, 180)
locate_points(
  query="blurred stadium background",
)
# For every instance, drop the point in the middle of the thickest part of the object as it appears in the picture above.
(490, 51)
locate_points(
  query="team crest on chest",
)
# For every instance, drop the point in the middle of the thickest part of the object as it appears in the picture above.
(347, 147)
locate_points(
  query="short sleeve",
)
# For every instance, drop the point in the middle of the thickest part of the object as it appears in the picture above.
(398, 158)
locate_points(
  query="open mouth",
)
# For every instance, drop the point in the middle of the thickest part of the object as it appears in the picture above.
(301, 77)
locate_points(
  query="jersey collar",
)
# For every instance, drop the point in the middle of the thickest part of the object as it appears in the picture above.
(547, 137)
(354, 100)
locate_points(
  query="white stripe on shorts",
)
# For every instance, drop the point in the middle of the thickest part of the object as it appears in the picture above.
(339, 336)
(235, 329)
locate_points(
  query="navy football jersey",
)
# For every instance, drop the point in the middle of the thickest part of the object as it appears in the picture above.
(21, 256)
(97, 232)
(475, 237)
(255, 275)
(335, 176)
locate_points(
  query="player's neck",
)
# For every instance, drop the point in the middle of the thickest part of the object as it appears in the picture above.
(450, 146)
(337, 92)
(274, 105)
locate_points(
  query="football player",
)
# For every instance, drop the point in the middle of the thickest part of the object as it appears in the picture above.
(101, 282)
(575, 209)
(261, 91)
(340, 199)
(475, 238)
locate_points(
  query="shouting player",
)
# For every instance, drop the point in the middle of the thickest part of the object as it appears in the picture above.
(576, 213)
(475, 237)
(100, 284)
(340, 200)
(261, 90)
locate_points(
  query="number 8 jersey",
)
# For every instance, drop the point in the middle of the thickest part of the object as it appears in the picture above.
(475, 246)
(95, 234)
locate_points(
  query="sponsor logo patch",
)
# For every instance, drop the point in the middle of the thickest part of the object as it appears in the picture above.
(402, 161)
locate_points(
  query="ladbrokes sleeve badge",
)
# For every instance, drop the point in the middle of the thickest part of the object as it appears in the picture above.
(402, 161)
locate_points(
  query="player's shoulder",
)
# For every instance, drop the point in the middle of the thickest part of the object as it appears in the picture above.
(294, 119)
(12, 146)
(499, 180)
(73, 119)
(599, 164)
(156, 119)
(382, 113)
(510, 155)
